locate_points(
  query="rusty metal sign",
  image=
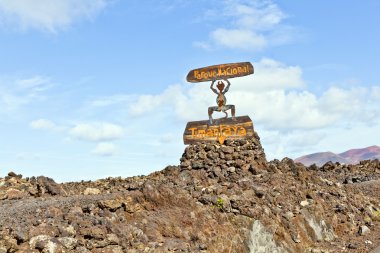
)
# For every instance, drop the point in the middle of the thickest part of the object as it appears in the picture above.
(221, 71)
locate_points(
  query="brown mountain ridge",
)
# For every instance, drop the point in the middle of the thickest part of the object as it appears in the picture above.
(352, 156)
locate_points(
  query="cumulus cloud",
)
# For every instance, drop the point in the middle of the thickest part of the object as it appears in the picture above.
(97, 132)
(147, 103)
(253, 26)
(43, 124)
(102, 134)
(190, 101)
(238, 38)
(259, 14)
(339, 101)
(105, 149)
(48, 15)
(276, 96)
(270, 75)
(264, 94)
(290, 118)
(279, 109)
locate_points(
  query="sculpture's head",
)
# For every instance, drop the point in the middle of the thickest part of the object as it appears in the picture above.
(220, 86)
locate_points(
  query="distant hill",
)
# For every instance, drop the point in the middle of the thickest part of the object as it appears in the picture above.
(351, 156)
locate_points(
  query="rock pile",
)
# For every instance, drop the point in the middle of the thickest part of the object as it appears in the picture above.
(221, 198)
(233, 155)
(14, 187)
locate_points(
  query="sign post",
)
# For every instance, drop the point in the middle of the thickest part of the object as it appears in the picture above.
(211, 130)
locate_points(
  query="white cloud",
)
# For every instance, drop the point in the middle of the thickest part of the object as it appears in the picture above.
(10, 102)
(97, 132)
(254, 25)
(375, 92)
(344, 101)
(148, 103)
(202, 44)
(17, 93)
(263, 94)
(191, 100)
(43, 124)
(261, 15)
(37, 83)
(101, 133)
(279, 109)
(110, 100)
(238, 38)
(290, 118)
(105, 149)
(270, 75)
(168, 137)
(275, 96)
(48, 15)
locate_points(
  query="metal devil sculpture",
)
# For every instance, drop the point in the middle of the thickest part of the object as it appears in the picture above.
(221, 100)
(212, 130)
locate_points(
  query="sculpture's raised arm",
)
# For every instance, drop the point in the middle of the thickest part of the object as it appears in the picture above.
(212, 86)
(228, 86)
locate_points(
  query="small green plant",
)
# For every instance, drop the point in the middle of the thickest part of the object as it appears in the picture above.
(219, 203)
(376, 213)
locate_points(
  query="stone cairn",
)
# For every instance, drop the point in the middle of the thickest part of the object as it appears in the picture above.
(231, 156)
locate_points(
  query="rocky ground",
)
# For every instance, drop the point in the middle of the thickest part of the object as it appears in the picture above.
(221, 198)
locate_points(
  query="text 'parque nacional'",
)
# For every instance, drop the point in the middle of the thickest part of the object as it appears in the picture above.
(229, 70)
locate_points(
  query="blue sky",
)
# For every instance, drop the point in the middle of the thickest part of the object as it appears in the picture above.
(96, 88)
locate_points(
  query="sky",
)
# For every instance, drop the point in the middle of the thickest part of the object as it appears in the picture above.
(96, 88)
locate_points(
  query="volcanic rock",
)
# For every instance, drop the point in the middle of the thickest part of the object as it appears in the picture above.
(221, 198)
